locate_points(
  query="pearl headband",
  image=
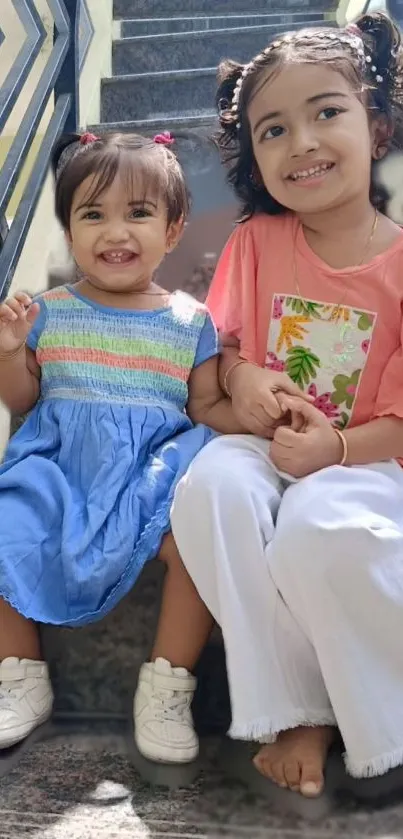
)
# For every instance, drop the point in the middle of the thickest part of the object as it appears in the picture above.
(351, 36)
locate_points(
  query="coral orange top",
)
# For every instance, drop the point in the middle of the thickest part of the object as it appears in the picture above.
(336, 332)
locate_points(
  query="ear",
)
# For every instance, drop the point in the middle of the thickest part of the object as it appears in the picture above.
(381, 134)
(174, 234)
(68, 238)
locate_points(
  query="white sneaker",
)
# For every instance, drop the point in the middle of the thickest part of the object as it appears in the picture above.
(26, 698)
(163, 724)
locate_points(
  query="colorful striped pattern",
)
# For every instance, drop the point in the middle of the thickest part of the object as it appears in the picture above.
(88, 352)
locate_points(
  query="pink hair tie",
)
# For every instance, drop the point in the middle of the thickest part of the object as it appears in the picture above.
(353, 29)
(88, 138)
(164, 139)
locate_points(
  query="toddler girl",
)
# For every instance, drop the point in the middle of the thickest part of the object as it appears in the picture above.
(120, 379)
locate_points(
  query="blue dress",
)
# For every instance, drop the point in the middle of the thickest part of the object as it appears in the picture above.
(87, 482)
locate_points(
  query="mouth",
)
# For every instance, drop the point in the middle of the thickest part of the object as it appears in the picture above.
(118, 257)
(314, 172)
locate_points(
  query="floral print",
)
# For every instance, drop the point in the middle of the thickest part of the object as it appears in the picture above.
(322, 348)
(345, 389)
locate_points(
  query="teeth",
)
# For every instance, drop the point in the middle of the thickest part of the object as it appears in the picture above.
(117, 256)
(312, 172)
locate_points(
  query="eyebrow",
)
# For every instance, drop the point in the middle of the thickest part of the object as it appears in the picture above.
(92, 204)
(317, 98)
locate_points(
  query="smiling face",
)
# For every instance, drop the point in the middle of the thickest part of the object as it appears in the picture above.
(119, 238)
(311, 137)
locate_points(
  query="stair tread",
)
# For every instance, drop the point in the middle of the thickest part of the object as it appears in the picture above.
(160, 74)
(196, 33)
(247, 15)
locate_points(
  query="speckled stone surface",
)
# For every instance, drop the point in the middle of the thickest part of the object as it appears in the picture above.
(94, 669)
(82, 785)
(176, 8)
(162, 26)
(157, 95)
(188, 50)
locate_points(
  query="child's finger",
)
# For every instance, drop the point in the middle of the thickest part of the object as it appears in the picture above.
(16, 307)
(23, 298)
(33, 312)
(7, 313)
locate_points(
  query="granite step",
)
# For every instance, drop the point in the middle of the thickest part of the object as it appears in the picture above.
(165, 26)
(205, 120)
(125, 9)
(94, 669)
(191, 50)
(160, 95)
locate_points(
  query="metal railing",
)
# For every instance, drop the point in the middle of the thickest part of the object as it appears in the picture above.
(60, 77)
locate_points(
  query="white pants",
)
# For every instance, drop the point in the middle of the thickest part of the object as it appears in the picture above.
(306, 581)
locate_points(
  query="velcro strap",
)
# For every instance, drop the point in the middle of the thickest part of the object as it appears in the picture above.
(174, 682)
(23, 670)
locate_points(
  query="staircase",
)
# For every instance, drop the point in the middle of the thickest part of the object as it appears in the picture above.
(166, 53)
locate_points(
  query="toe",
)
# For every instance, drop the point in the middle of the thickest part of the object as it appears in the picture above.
(292, 774)
(277, 773)
(311, 783)
(264, 764)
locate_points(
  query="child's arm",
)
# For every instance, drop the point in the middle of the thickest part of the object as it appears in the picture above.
(379, 439)
(253, 391)
(207, 403)
(19, 370)
(317, 445)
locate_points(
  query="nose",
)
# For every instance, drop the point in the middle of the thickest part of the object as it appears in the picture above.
(303, 141)
(117, 231)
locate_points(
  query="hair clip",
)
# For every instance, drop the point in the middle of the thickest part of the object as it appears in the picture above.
(87, 138)
(164, 139)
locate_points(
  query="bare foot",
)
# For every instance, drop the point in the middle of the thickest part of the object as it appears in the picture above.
(297, 759)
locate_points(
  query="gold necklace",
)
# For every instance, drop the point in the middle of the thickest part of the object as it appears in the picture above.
(336, 309)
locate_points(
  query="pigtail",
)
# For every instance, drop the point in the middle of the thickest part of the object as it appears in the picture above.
(66, 140)
(382, 41)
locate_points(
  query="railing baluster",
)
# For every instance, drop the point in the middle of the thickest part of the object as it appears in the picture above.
(60, 75)
(69, 77)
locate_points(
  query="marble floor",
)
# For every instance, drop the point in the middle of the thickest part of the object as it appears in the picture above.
(80, 783)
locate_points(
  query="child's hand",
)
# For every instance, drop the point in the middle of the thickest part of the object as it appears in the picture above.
(308, 444)
(17, 314)
(255, 393)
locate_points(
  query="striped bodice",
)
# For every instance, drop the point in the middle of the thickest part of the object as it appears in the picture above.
(92, 353)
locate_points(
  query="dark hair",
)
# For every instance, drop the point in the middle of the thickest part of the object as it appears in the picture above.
(146, 165)
(376, 66)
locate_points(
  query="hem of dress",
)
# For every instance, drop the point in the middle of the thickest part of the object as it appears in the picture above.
(376, 766)
(267, 729)
(157, 528)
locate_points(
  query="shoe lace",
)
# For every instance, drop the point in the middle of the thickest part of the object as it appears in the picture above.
(170, 705)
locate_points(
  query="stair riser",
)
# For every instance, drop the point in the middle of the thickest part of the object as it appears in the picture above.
(94, 669)
(190, 51)
(153, 97)
(125, 9)
(161, 26)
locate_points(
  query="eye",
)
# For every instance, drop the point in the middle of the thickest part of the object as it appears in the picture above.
(272, 132)
(329, 113)
(140, 212)
(92, 215)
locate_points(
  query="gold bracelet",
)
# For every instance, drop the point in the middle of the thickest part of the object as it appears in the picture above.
(344, 444)
(230, 370)
(7, 355)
